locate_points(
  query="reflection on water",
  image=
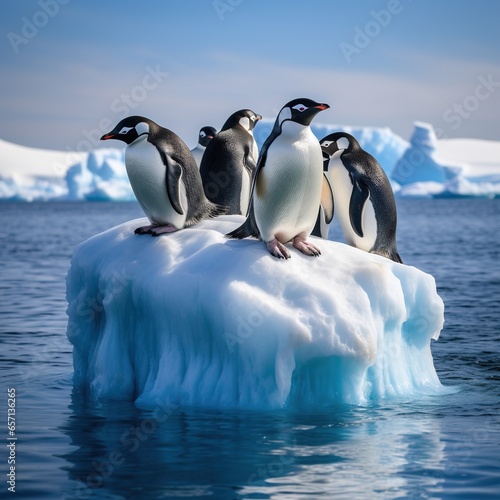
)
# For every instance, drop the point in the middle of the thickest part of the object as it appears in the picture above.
(170, 452)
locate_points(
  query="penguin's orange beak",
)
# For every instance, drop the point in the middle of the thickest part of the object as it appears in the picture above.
(105, 137)
(322, 106)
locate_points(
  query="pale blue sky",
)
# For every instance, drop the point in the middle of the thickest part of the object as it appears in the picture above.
(70, 68)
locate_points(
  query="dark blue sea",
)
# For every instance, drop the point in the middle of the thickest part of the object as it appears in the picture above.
(430, 447)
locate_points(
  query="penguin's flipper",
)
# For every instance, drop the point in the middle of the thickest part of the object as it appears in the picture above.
(247, 229)
(173, 181)
(327, 199)
(359, 196)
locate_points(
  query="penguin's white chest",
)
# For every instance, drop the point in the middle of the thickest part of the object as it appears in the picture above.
(245, 191)
(288, 190)
(342, 188)
(147, 175)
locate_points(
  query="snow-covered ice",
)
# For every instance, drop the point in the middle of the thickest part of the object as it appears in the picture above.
(193, 318)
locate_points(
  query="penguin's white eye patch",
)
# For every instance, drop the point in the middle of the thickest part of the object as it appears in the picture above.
(125, 130)
(300, 107)
(325, 144)
(202, 134)
(253, 118)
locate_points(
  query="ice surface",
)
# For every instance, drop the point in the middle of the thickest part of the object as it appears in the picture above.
(425, 167)
(193, 318)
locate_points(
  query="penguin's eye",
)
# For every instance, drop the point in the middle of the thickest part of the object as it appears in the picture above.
(125, 130)
(300, 107)
(252, 118)
(325, 144)
(202, 134)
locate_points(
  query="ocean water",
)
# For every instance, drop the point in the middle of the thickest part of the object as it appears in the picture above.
(431, 447)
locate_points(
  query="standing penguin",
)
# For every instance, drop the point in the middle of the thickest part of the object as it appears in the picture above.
(229, 161)
(204, 137)
(163, 175)
(363, 197)
(288, 183)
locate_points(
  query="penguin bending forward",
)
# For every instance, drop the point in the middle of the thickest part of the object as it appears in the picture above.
(288, 182)
(228, 163)
(363, 198)
(163, 175)
(204, 136)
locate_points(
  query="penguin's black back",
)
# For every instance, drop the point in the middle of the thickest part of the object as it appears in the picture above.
(221, 167)
(170, 144)
(364, 167)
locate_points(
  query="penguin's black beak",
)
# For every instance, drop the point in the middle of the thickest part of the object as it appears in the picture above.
(105, 137)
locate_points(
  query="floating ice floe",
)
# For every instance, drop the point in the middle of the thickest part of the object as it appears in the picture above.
(195, 319)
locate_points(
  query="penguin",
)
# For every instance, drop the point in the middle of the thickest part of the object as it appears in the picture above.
(288, 184)
(229, 161)
(204, 137)
(362, 196)
(163, 175)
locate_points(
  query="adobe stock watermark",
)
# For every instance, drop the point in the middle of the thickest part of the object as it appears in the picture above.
(31, 26)
(363, 36)
(455, 116)
(275, 468)
(248, 324)
(122, 107)
(222, 7)
(460, 111)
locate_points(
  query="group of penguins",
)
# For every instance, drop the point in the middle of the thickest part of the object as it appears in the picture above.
(288, 191)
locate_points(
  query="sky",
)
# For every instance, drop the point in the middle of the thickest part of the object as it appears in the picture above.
(71, 69)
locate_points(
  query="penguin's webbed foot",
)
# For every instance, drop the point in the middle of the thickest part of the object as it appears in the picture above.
(305, 247)
(277, 249)
(143, 229)
(168, 228)
(156, 230)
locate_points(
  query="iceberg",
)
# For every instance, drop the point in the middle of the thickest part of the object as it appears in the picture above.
(432, 167)
(424, 167)
(195, 319)
(101, 176)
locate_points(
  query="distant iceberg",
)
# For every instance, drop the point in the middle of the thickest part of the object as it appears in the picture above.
(195, 319)
(448, 167)
(424, 167)
(101, 176)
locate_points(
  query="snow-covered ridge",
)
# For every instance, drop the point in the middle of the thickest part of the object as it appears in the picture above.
(425, 166)
(193, 318)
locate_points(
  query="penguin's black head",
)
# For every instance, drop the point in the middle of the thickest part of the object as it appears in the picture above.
(245, 118)
(301, 110)
(129, 129)
(205, 135)
(336, 142)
